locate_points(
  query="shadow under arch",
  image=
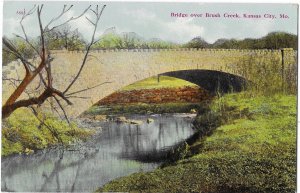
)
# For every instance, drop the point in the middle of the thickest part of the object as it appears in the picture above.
(211, 80)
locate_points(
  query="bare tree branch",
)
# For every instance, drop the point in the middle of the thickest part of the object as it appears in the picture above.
(44, 67)
(39, 11)
(28, 42)
(79, 91)
(54, 108)
(88, 49)
(70, 19)
(11, 79)
(59, 16)
(14, 50)
(79, 97)
(90, 20)
(63, 110)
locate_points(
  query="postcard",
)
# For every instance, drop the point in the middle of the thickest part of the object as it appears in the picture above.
(149, 97)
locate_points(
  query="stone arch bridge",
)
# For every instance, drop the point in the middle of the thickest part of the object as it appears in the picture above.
(121, 67)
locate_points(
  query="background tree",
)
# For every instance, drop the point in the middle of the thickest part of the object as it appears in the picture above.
(42, 68)
(64, 37)
(197, 42)
(23, 48)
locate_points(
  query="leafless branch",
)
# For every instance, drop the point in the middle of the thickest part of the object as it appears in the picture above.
(14, 50)
(61, 95)
(63, 110)
(88, 48)
(24, 16)
(42, 122)
(39, 11)
(11, 79)
(96, 41)
(28, 42)
(79, 97)
(90, 20)
(40, 75)
(54, 108)
(83, 90)
(44, 67)
(67, 21)
(64, 11)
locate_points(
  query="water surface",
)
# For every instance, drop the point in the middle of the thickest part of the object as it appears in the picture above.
(117, 151)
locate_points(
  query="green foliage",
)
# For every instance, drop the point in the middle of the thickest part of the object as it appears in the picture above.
(130, 41)
(253, 150)
(267, 75)
(21, 46)
(64, 38)
(197, 42)
(110, 41)
(274, 40)
(22, 130)
(159, 44)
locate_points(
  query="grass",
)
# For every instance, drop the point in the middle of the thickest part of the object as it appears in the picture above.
(164, 82)
(23, 133)
(252, 149)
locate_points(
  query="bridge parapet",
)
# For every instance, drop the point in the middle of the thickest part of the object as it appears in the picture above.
(173, 50)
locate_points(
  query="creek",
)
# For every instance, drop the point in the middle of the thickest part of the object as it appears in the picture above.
(120, 149)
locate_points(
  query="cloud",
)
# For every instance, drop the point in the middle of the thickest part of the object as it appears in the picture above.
(178, 30)
(12, 26)
(181, 30)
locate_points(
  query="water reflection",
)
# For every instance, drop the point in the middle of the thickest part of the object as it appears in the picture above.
(109, 155)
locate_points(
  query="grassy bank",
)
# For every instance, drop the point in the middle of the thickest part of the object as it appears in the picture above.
(252, 149)
(164, 82)
(22, 132)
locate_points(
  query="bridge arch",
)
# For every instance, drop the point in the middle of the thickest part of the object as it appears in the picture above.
(211, 80)
(167, 88)
(123, 67)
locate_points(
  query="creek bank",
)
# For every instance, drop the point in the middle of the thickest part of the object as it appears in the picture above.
(237, 154)
(89, 120)
(144, 109)
(22, 133)
(185, 99)
(186, 94)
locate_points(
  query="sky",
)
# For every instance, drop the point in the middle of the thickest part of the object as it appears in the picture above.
(153, 19)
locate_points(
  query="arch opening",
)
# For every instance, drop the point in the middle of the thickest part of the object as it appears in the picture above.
(211, 80)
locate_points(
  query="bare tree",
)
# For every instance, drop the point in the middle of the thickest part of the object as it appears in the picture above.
(42, 70)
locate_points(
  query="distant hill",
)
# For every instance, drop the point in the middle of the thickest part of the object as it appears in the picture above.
(273, 40)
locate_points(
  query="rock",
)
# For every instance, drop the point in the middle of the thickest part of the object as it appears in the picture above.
(28, 151)
(136, 122)
(121, 120)
(149, 120)
(193, 111)
(100, 117)
(149, 112)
